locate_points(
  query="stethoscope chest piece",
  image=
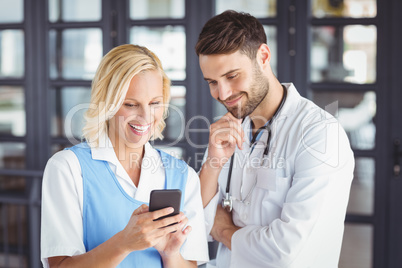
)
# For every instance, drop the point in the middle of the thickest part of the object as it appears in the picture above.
(227, 202)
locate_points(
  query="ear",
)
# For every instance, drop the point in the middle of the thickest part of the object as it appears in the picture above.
(264, 55)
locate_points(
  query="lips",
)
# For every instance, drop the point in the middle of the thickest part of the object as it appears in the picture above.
(140, 129)
(234, 101)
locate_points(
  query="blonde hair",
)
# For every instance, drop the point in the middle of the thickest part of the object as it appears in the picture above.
(110, 85)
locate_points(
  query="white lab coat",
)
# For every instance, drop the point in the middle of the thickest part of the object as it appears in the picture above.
(295, 216)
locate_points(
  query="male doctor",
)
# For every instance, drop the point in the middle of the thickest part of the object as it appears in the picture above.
(279, 165)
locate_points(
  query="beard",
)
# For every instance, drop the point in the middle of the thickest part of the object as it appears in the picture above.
(257, 92)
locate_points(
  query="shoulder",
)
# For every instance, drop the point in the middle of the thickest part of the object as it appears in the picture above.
(172, 162)
(63, 168)
(81, 148)
(192, 175)
(64, 158)
(321, 136)
(168, 160)
(63, 163)
(299, 112)
(315, 125)
(307, 116)
(312, 127)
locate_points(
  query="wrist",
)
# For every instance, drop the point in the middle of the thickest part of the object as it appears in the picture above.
(120, 244)
(225, 236)
(171, 259)
(169, 254)
(214, 164)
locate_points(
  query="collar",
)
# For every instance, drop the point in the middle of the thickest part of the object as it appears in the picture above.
(289, 107)
(292, 101)
(105, 152)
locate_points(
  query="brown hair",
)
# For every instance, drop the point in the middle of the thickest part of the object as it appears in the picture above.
(231, 31)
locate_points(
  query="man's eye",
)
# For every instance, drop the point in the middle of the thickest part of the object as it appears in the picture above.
(212, 82)
(232, 76)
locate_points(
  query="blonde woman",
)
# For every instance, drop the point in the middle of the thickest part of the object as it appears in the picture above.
(95, 195)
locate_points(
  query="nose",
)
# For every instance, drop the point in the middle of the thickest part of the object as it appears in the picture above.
(224, 91)
(144, 113)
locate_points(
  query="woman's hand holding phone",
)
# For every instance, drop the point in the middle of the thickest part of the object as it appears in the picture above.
(170, 245)
(144, 231)
(161, 225)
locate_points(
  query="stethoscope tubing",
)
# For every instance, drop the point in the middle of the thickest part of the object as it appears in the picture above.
(227, 200)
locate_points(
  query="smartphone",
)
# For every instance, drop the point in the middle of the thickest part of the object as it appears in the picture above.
(165, 198)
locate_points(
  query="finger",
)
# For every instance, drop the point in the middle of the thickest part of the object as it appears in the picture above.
(232, 123)
(187, 230)
(237, 125)
(170, 220)
(222, 137)
(181, 235)
(161, 212)
(230, 116)
(226, 123)
(183, 223)
(165, 230)
(240, 140)
(141, 209)
(183, 217)
(171, 229)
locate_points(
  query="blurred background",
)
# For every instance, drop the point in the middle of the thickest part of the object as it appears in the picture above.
(342, 54)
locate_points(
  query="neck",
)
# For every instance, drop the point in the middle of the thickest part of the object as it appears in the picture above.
(130, 158)
(267, 108)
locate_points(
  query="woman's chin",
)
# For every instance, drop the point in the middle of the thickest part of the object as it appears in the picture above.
(138, 140)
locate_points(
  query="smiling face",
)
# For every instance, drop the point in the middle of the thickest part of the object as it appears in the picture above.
(141, 111)
(235, 81)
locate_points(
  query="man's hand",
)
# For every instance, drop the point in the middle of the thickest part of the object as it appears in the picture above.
(224, 135)
(223, 228)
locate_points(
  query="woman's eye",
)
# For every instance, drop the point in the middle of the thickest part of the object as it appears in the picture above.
(232, 76)
(130, 105)
(155, 103)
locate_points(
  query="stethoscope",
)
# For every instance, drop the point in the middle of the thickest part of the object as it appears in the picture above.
(227, 202)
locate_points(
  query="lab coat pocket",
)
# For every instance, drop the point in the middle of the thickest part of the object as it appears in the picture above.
(266, 179)
(273, 187)
(272, 180)
(282, 188)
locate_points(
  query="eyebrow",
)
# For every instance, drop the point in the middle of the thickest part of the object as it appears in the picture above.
(231, 71)
(136, 100)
